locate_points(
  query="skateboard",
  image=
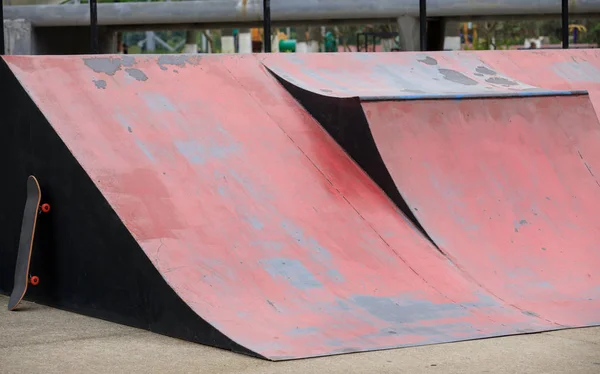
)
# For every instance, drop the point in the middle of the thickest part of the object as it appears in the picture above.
(30, 215)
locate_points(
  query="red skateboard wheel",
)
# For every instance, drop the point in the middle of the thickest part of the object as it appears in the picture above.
(45, 208)
(35, 280)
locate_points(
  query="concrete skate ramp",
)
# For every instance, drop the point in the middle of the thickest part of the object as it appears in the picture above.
(192, 196)
(507, 186)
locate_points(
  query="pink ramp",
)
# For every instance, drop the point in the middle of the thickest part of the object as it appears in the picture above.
(246, 208)
(507, 189)
(502, 175)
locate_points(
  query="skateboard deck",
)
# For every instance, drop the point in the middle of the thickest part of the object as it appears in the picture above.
(28, 225)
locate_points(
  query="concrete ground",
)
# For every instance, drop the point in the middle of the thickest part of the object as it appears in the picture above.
(39, 339)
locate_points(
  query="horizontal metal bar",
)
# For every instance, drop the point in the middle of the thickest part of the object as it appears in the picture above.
(473, 96)
(234, 11)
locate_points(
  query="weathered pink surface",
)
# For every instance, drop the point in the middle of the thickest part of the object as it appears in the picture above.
(400, 75)
(251, 213)
(556, 69)
(507, 188)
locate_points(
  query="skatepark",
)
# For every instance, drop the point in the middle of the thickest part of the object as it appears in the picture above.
(326, 209)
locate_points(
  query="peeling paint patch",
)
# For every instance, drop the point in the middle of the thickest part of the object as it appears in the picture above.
(429, 61)
(291, 270)
(197, 153)
(335, 343)
(108, 65)
(457, 77)
(529, 313)
(174, 60)
(137, 74)
(485, 70)
(123, 122)
(144, 149)
(100, 84)
(258, 194)
(581, 71)
(335, 275)
(343, 305)
(519, 224)
(502, 81)
(255, 222)
(268, 244)
(483, 301)
(319, 252)
(302, 331)
(401, 310)
(157, 102)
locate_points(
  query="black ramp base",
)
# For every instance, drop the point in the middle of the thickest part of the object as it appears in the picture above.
(89, 262)
(345, 121)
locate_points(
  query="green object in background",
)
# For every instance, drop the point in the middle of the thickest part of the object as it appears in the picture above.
(330, 43)
(287, 45)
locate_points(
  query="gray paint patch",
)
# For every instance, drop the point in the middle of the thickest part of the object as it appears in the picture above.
(502, 81)
(174, 60)
(403, 310)
(577, 70)
(137, 74)
(529, 313)
(123, 122)
(145, 149)
(319, 252)
(268, 244)
(483, 301)
(519, 224)
(413, 91)
(429, 61)
(302, 331)
(100, 84)
(291, 270)
(342, 304)
(108, 65)
(335, 275)
(456, 77)
(197, 153)
(335, 343)
(478, 74)
(255, 222)
(156, 102)
(485, 70)
(259, 193)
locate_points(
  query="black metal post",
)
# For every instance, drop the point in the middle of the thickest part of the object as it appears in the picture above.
(565, 23)
(95, 49)
(423, 23)
(1, 28)
(267, 24)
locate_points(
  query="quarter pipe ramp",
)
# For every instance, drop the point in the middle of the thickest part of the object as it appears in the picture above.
(501, 175)
(192, 196)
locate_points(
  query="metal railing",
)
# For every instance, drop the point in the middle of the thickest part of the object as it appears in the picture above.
(95, 45)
